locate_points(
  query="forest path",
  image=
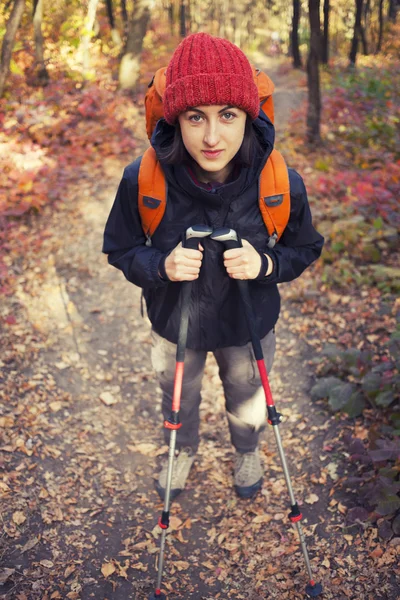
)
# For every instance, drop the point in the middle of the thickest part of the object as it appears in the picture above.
(84, 479)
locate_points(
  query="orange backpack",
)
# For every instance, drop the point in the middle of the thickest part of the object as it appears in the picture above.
(274, 192)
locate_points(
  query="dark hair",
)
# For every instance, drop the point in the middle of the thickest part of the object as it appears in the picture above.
(176, 153)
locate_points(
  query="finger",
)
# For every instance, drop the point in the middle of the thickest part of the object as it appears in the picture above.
(186, 276)
(188, 269)
(236, 262)
(201, 247)
(236, 270)
(233, 253)
(190, 253)
(187, 262)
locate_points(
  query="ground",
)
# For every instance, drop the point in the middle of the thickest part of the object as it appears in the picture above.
(84, 441)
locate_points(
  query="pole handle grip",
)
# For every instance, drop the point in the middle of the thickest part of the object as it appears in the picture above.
(228, 237)
(195, 233)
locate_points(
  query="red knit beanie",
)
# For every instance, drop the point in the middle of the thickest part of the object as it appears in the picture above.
(208, 70)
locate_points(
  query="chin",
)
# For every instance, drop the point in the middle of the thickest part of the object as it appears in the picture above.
(212, 165)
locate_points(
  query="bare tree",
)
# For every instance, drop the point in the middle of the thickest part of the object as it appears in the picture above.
(42, 74)
(295, 35)
(171, 16)
(125, 18)
(364, 26)
(182, 18)
(380, 36)
(91, 16)
(130, 63)
(8, 41)
(314, 91)
(357, 32)
(325, 39)
(116, 38)
(393, 8)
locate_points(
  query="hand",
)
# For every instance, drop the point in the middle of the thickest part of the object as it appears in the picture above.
(244, 262)
(183, 264)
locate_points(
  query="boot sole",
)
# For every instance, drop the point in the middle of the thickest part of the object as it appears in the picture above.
(249, 491)
(161, 492)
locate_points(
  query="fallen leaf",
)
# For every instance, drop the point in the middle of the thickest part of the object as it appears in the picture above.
(108, 569)
(18, 517)
(181, 565)
(175, 523)
(69, 570)
(5, 574)
(107, 398)
(47, 563)
(146, 448)
(312, 499)
(262, 519)
(29, 545)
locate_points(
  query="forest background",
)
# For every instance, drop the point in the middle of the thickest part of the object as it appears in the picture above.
(73, 76)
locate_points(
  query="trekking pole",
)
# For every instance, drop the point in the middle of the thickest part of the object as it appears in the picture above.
(230, 239)
(192, 236)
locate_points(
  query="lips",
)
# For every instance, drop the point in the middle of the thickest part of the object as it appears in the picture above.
(212, 153)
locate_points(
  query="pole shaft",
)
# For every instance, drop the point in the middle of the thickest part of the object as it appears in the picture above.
(291, 495)
(258, 353)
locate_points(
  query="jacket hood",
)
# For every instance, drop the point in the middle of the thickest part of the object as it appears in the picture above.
(163, 136)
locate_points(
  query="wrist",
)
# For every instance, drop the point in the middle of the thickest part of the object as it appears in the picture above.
(162, 273)
(270, 265)
(267, 266)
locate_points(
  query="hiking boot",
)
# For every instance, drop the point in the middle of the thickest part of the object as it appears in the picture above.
(248, 473)
(183, 461)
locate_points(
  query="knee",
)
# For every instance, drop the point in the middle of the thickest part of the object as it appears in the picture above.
(252, 411)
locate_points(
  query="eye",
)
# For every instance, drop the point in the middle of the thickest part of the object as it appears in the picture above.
(229, 116)
(195, 118)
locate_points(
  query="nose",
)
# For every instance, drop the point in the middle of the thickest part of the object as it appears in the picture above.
(211, 134)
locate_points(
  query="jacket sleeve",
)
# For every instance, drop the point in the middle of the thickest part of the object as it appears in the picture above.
(124, 240)
(300, 244)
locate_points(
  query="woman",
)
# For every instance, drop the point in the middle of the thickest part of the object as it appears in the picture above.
(212, 145)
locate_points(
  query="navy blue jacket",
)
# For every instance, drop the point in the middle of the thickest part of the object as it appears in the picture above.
(216, 317)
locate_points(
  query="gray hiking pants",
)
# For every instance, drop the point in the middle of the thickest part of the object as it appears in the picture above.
(244, 395)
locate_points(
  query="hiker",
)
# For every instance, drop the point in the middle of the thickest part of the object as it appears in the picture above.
(212, 145)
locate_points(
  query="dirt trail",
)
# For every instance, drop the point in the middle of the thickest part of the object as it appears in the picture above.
(92, 500)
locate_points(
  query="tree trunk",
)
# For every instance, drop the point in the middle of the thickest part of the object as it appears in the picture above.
(110, 13)
(182, 19)
(116, 38)
(357, 31)
(171, 16)
(325, 40)
(392, 12)
(85, 43)
(380, 38)
(188, 17)
(125, 18)
(8, 41)
(130, 63)
(42, 74)
(295, 35)
(314, 92)
(364, 41)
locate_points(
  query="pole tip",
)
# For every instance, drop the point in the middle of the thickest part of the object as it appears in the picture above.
(313, 589)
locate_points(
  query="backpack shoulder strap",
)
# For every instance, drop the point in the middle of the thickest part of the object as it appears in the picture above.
(274, 196)
(152, 197)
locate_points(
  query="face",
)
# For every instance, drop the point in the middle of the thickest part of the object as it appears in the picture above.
(213, 135)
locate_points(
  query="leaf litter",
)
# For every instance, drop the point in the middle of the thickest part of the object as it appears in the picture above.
(83, 441)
